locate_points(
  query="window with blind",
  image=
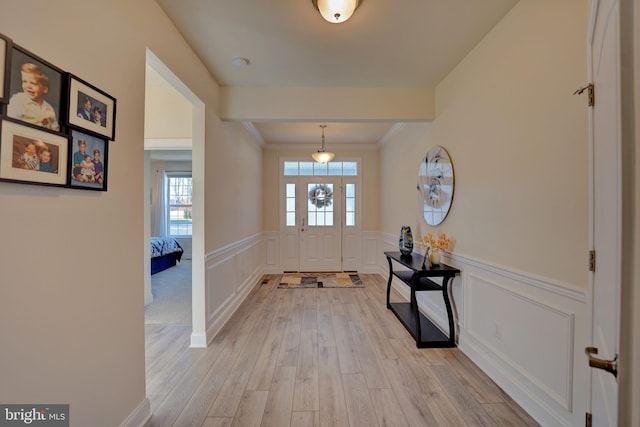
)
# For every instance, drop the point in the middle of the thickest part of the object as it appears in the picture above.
(179, 197)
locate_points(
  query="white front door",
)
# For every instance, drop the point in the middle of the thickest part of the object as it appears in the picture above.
(605, 135)
(320, 237)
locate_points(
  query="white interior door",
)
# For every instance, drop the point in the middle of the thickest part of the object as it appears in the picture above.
(605, 133)
(320, 237)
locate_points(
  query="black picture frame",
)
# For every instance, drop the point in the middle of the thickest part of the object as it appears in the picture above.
(82, 93)
(5, 63)
(23, 154)
(83, 177)
(47, 84)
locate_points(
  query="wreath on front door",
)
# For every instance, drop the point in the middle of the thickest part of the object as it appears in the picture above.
(321, 196)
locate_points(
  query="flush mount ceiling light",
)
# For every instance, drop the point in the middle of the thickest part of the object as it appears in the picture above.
(336, 11)
(322, 156)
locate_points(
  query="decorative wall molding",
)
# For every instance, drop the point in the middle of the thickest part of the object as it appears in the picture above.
(545, 284)
(526, 316)
(370, 250)
(335, 146)
(271, 246)
(253, 131)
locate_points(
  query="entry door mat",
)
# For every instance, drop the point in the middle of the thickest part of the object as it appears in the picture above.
(320, 280)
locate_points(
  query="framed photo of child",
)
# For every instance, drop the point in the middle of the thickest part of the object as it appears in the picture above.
(36, 91)
(91, 109)
(5, 48)
(31, 155)
(88, 161)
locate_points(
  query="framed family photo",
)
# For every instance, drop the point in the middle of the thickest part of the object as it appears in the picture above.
(5, 49)
(32, 156)
(37, 93)
(91, 109)
(88, 159)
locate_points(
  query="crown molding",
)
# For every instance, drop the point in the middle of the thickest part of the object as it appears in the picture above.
(253, 131)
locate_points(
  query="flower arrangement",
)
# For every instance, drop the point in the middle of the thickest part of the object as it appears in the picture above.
(429, 241)
(432, 248)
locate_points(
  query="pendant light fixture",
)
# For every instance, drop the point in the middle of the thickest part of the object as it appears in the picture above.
(336, 11)
(322, 156)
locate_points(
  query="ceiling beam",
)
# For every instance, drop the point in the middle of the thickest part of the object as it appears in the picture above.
(326, 104)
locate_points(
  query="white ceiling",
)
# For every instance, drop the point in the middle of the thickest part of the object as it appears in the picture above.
(385, 44)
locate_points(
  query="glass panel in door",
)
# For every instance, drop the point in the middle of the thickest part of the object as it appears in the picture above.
(320, 232)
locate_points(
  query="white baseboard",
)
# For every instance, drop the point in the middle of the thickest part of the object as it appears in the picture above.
(140, 416)
(198, 340)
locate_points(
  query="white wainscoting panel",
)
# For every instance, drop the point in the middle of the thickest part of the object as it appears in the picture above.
(351, 249)
(221, 285)
(370, 252)
(257, 257)
(290, 252)
(272, 252)
(231, 273)
(522, 330)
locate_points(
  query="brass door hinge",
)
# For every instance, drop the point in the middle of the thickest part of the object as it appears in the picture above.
(592, 260)
(591, 92)
(587, 419)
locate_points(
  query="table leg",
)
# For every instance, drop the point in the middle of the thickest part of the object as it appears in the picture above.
(446, 288)
(416, 310)
(389, 283)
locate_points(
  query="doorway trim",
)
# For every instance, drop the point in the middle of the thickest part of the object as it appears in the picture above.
(198, 322)
(350, 237)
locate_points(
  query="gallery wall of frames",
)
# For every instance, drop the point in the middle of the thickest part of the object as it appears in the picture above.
(55, 127)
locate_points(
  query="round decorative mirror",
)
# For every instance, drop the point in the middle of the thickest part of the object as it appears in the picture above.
(435, 185)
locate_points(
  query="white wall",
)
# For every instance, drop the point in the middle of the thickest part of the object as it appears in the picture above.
(168, 114)
(518, 139)
(234, 173)
(71, 319)
(518, 142)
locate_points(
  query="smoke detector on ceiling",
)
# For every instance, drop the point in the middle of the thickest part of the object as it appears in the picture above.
(240, 62)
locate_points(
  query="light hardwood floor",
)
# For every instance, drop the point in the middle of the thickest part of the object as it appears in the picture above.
(317, 357)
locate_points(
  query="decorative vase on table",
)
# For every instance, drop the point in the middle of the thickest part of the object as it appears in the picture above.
(406, 240)
(434, 257)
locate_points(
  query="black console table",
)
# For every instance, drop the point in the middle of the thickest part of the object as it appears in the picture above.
(418, 279)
